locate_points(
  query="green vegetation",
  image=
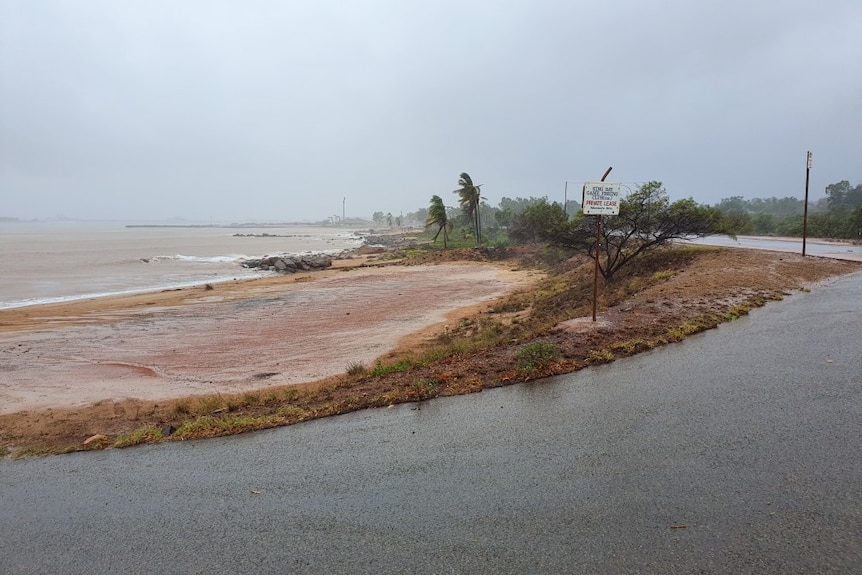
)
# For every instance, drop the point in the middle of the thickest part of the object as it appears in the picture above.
(632, 346)
(664, 274)
(470, 199)
(212, 426)
(647, 221)
(382, 369)
(426, 386)
(356, 369)
(599, 356)
(438, 217)
(149, 434)
(537, 355)
(837, 215)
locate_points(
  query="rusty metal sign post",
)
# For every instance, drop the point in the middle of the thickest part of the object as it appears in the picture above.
(601, 203)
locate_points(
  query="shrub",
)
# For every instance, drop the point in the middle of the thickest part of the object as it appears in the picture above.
(356, 369)
(598, 356)
(537, 355)
(426, 385)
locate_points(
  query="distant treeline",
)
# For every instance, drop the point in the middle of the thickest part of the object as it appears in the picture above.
(838, 215)
(235, 225)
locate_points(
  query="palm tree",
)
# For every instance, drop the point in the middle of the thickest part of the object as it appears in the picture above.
(470, 195)
(437, 217)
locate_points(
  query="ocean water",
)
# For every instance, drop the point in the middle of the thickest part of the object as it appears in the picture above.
(45, 262)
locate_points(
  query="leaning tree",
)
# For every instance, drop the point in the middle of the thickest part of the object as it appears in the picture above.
(647, 220)
(470, 198)
(437, 216)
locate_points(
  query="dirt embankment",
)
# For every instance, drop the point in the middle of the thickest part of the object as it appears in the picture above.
(110, 366)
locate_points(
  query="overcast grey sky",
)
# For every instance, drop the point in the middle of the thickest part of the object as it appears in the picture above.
(279, 110)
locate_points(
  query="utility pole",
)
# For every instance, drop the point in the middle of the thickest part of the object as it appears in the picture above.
(805, 208)
(343, 202)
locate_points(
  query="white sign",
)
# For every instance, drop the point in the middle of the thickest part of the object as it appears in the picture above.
(810, 159)
(601, 199)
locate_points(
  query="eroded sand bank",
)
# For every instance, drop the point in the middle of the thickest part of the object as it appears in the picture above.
(234, 337)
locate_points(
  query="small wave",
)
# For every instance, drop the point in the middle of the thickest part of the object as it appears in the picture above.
(226, 259)
(240, 258)
(131, 291)
(333, 253)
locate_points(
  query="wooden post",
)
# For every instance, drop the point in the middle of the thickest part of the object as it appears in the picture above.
(598, 244)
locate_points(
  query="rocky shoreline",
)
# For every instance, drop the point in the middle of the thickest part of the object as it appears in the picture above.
(289, 264)
(292, 263)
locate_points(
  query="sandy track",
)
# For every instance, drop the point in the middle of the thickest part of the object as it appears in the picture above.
(235, 337)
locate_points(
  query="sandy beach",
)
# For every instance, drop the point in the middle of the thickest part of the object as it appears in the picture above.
(238, 336)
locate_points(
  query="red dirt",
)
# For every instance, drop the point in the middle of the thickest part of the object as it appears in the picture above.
(108, 366)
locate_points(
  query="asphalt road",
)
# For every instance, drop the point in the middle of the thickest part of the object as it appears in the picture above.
(736, 451)
(813, 247)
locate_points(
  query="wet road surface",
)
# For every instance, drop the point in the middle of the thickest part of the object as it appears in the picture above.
(837, 250)
(736, 451)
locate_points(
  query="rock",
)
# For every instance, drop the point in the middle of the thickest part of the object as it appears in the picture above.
(390, 240)
(367, 250)
(317, 261)
(251, 263)
(284, 266)
(168, 430)
(95, 440)
(291, 264)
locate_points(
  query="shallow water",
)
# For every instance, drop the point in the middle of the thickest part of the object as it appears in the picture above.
(44, 262)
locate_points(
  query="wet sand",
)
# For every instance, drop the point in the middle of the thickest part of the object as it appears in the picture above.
(234, 337)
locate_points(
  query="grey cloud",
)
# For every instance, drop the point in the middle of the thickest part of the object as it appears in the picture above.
(237, 110)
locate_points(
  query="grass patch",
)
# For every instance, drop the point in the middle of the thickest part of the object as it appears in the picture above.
(209, 404)
(663, 275)
(683, 330)
(382, 369)
(293, 413)
(537, 356)
(182, 408)
(600, 356)
(251, 398)
(42, 451)
(356, 369)
(426, 387)
(211, 426)
(632, 346)
(149, 434)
